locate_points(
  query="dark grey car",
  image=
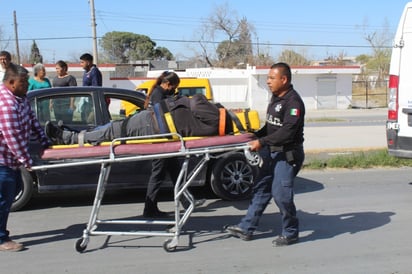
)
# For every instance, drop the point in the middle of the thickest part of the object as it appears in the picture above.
(230, 177)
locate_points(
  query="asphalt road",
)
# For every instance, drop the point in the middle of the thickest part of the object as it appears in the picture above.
(352, 221)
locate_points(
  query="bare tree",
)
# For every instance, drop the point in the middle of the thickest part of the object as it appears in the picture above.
(381, 52)
(338, 60)
(235, 38)
(4, 43)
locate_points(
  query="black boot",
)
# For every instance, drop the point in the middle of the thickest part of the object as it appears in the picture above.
(55, 134)
(152, 211)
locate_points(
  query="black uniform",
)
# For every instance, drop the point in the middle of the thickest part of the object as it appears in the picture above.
(282, 152)
(203, 120)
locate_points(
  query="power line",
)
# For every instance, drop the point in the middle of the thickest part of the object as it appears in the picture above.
(210, 42)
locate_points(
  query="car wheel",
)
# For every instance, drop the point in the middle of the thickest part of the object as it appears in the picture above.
(24, 196)
(232, 177)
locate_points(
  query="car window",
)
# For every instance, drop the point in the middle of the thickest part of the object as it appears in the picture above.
(115, 109)
(126, 108)
(71, 110)
(192, 91)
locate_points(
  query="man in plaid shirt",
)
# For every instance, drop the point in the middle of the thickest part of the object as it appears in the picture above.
(17, 122)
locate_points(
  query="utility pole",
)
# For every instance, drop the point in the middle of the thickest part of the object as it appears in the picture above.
(16, 37)
(95, 57)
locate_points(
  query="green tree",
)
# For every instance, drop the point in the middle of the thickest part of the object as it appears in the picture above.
(125, 47)
(363, 58)
(35, 56)
(163, 53)
(293, 58)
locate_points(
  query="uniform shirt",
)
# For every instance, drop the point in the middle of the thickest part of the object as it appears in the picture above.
(17, 121)
(284, 121)
(158, 94)
(93, 77)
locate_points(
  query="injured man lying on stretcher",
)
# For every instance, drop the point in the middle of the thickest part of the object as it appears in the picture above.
(194, 116)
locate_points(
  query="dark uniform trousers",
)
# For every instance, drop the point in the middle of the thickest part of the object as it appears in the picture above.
(275, 179)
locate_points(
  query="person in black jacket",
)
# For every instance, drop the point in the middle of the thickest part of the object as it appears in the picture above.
(194, 116)
(164, 87)
(280, 143)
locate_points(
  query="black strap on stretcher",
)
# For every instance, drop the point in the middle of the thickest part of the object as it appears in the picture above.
(236, 121)
(123, 129)
(247, 120)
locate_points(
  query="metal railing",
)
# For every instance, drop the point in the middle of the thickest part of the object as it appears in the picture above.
(369, 94)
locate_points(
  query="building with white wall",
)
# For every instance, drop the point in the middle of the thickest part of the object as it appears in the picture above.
(321, 87)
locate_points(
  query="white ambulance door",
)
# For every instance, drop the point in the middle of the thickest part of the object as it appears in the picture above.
(402, 56)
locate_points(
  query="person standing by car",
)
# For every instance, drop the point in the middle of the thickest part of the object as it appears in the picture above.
(164, 87)
(63, 78)
(39, 81)
(17, 122)
(280, 142)
(5, 60)
(63, 108)
(92, 75)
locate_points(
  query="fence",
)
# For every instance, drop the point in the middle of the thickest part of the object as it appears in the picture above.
(369, 94)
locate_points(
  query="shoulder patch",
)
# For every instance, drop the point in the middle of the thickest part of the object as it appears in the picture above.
(295, 112)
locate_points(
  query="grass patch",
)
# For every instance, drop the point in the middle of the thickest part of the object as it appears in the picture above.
(378, 158)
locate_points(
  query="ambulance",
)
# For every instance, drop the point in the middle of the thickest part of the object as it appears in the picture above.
(399, 121)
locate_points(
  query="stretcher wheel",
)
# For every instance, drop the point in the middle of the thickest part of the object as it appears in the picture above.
(253, 158)
(79, 246)
(167, 247)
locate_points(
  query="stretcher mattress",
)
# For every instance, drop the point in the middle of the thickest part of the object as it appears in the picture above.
(78, 152)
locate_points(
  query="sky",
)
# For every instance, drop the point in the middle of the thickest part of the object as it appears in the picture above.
(315, 28)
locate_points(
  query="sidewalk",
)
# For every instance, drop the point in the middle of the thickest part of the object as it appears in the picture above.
(340, 136)
(346, 113)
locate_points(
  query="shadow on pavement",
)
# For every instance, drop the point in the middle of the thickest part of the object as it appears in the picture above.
(303, 185)
(329, 226)
(202, 229)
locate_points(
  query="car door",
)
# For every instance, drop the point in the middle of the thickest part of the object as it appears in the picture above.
(93, 107)
(133, 174)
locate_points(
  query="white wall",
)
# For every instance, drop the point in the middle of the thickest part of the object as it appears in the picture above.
(246, 88)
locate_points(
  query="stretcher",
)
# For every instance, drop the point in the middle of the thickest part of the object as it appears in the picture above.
(140, 148)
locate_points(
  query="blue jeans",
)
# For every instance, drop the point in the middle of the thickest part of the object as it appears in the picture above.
(9, 179)
(276, 179)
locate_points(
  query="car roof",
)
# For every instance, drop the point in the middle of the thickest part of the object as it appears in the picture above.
(76, 89)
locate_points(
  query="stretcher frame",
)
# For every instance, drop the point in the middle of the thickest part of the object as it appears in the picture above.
(181, 186)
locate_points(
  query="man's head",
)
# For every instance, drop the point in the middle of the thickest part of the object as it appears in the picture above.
(16, 79)
(279, 78)
(86, 61)
(5, 59)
